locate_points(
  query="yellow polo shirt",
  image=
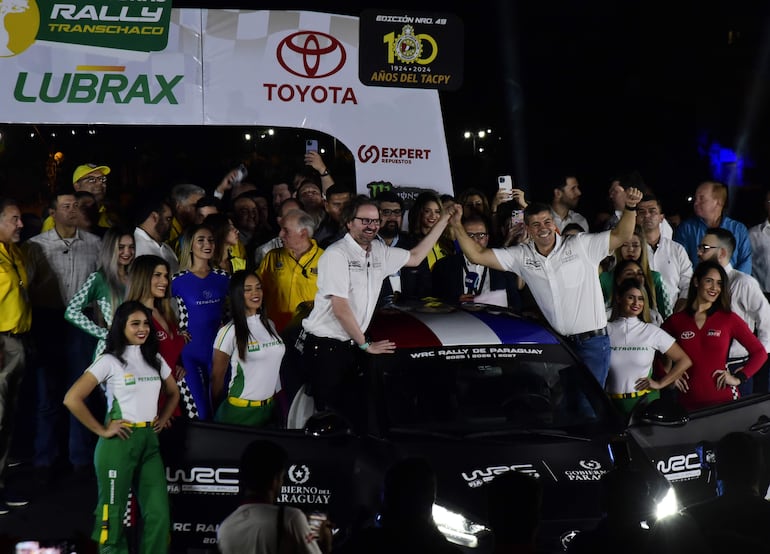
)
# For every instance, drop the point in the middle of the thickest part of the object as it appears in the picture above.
(15, 311)
(287, 282)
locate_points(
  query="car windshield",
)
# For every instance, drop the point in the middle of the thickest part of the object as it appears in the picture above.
(476, 390)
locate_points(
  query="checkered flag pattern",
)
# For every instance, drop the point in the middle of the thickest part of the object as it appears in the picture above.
(187, 400)
(128, 515)
(184, 316)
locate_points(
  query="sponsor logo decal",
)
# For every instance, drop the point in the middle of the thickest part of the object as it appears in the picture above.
(374, 154)
(590, 470)
(681, 467)
(91, 84)
(206, 480)
(477, 477)
(687, 335)
(310, 55)
(298, 474)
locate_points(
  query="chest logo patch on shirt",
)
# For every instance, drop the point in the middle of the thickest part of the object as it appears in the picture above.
(160, 334)
(532, 263)
(314, 271)
(568, 256)
(129, 379)
(687, 335)
(714, 333)
(253, 347)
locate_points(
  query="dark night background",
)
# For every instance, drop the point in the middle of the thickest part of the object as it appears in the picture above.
(594, 88)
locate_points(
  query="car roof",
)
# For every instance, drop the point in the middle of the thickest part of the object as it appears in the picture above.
(422, 324)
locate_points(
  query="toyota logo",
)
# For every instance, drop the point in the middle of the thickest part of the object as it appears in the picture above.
(311, 54)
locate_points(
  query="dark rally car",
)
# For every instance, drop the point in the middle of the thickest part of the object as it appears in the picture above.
(476, 390)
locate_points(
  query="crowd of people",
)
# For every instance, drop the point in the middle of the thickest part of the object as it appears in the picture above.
(188, 307)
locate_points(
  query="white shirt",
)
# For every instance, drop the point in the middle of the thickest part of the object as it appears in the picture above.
(666, 230)
(670, 259)
(633, 344)
(262, 250)
(145, 244)
(256, 377)
(348, 271)
(759, 236)
(132, 388)
(252, 528)
(572, 217)
(565, 284)
(749, 302)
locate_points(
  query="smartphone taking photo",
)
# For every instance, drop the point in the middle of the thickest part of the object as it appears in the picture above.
(505, 182)
(311, 145)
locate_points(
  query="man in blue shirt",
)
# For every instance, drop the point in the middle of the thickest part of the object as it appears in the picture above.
(709, 206)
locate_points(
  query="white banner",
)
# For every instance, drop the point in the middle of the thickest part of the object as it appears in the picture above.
(230, 67)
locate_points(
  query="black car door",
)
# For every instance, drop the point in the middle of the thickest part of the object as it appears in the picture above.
(672, 442)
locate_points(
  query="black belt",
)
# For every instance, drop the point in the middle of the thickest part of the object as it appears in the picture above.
(334, 343)
(589, 334)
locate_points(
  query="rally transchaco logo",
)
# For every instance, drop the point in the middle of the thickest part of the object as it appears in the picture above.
(141, 27)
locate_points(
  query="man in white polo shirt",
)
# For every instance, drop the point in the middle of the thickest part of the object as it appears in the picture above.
(350, 275)
(562, 274)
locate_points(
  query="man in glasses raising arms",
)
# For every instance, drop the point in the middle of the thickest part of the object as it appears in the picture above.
(350, 275)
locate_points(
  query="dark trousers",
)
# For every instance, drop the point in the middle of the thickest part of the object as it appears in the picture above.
(332, 375)
(63, 352)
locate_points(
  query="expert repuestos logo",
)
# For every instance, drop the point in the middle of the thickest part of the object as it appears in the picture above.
(374, 154)
(310, 55)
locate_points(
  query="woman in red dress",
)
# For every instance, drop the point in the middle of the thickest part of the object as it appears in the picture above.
(704, 330)
(150, 284)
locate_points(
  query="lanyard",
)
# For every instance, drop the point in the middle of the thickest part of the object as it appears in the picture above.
(304, 267)
(478, 284)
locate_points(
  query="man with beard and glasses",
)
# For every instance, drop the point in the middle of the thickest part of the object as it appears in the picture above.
(350, 275)
(414, 282)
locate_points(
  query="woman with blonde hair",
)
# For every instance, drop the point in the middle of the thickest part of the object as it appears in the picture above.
(105, 288)
(636, 249)
(200, 289)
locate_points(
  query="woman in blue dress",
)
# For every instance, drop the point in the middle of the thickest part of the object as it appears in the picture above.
(200, 290)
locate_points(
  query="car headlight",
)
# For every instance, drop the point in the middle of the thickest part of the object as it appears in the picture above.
(457, 528)
(668, 505)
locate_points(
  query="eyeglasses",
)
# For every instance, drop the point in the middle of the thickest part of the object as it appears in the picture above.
(705, 247)
(386, 212)
(366, 221)
(478, 235)
(94, 180)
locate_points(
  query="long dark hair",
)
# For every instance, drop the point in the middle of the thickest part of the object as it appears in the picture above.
(723, 301)
(649, 288)
(140, 282)
(116, 337)
(238, 311)
(620, 290)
